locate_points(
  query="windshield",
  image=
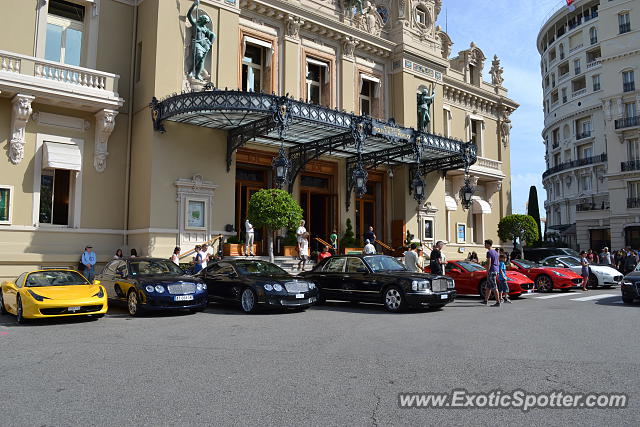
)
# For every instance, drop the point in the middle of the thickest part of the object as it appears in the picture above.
(55, 278)
(147, 267)
(525, 264)
(571, 262)
(471, 266)
(258, 267)
(384, 263)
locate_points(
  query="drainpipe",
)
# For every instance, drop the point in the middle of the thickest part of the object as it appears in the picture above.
(127, 189)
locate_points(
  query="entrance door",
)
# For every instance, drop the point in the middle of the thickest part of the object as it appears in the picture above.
(318, 207)
(598, 239)
(248, 182)
(370, 208)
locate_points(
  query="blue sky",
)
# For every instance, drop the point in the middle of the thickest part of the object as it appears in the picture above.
(509, 29)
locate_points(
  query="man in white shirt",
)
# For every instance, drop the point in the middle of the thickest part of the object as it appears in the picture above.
(249, 235)
(411, 259)
(300, 233)
(369, 249)
(204, 255)
(605, 256)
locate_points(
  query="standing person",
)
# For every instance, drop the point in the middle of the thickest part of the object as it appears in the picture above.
(249, 235)
(134, 253)
(118, 254)
(333, 240)
(370, 235)
(369, 249)
(204, 251)
(197, 259)
(303, 249)
(175, 257)
(436, 263)
(605, 257)
(324, 253)
(503, 285)
(584, 261)
(629, 263)
(493, 267)
(474, 257)
(411, 259)
(88, 263)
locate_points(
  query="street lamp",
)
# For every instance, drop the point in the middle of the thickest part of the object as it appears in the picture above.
(359, 178)
(466, 193)
(417, 184)
(281, 166)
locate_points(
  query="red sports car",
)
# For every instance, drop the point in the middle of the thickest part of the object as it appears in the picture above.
(546, 278)
(471, 277)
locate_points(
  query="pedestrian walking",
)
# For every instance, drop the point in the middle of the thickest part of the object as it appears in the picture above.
(249, 235)
(204, 251)
(436, 262)
(493, 267)
(303, 250)
(197, 259)
(503, 285)
(584, 261)
(88, 262)
(369, 249)
(411, 259)
(175, 257)
(133, 253)
(118, 254)
(630, 262)
(333, 240)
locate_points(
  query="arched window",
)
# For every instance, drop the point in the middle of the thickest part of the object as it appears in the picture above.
(561, 50)
(593, 35)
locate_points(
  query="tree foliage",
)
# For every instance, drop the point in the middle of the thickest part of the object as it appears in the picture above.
(274, 209)
(533, 209)
(518, 227)
(348, 239)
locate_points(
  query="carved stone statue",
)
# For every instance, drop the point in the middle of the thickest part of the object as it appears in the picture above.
(424, 108)
(369, 20)
(357, 4)
(201, 42)
(505, 130)
(496, 72)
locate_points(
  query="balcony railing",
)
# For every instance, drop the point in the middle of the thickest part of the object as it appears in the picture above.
(489, 163)
(629, 87)
(576, 47)
(625, 28)
(583, 135)
(579, 92)
(631, 165)
(593, 63)
(627, 122)
(633, 202)
(50, 70)
(588, 207)
(575, 164)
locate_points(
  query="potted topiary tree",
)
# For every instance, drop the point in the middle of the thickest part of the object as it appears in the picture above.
(348, 243)
(272, 210)
(290, 244)
(234, 246)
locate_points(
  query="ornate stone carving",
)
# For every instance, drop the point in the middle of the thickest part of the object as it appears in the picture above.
(492, 188)
(504, 126)
(293, 26)
(445, 43)
(496, 72)
(369, 20)
(19, 116)
(349, 47)
(105, 123)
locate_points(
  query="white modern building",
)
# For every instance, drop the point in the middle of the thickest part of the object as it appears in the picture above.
(590, 59)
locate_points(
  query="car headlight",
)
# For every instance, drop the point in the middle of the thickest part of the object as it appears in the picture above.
(201, 286)
(268, 287)
(451, 284)
(277, 287)
(558, 274)
(100, 293)
(149, 288)
(159, 289)
(37, 297)
(419, 285)
(312, 285)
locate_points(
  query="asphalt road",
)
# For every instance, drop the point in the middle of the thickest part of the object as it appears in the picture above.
(341, 364)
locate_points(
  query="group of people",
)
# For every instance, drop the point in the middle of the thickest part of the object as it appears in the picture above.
(202, 254)
(88, 261)
(624, 260)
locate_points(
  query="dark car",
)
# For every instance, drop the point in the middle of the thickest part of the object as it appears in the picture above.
(630, 286)
(538, 254)
(381, 279)
(253, 284)
(152, 284)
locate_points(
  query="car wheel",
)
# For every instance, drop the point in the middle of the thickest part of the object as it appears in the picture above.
(3, 310)
(481, 288)
(133, 306)
(20, 312)
(248, 300)
(393, 299)
(627, 299)
(593, 281)
(544, 283)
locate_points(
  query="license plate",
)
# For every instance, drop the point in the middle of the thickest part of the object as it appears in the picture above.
(444, 296)
(183, 298)
(73, 308)
(299, 296)
(530, 291)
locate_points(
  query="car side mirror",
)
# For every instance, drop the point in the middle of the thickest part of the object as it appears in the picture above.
(455, 270)
(96, 282)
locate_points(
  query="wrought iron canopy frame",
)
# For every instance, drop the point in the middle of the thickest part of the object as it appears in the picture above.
(310, 131)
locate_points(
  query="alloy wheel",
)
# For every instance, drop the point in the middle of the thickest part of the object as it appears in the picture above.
(132, 303)
(248, 300)
(393, 299)
(544, 284)
(19, 311)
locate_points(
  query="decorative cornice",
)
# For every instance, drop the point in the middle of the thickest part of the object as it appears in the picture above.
(105, 123)
(20, 113)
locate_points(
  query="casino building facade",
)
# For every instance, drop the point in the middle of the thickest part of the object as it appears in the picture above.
(111, 140)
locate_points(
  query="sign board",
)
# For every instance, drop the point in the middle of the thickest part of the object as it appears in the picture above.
(392, 132)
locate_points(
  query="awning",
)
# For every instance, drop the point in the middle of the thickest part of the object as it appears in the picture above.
(479, 206)
(319, 64)
(450, 203)
(62, 156)
(258, 42)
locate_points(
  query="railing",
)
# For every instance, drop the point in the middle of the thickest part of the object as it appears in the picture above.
(587, 207)
(384, 246)
(625, 28)
(489, 163)
(51, 70)
(208, 243)
(579, 92)
(627, 122)
(633, 202)
(583, 135)
(629, 87)
(575, 164)
(631, 165)
(593, 63)
(576, 47)
(563, 77)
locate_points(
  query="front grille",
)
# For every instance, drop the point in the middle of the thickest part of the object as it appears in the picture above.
(527, 286)
(65, 310)
(298, 302)
(296, 287)
(439, 285)
(617, 278)
(182, 288)
(577, 281)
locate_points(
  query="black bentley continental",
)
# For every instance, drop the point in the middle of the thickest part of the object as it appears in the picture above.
(254, 284)
(379, 279)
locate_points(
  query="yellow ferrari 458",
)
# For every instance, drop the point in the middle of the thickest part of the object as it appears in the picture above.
(52, 293)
